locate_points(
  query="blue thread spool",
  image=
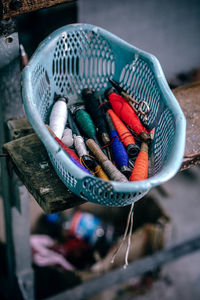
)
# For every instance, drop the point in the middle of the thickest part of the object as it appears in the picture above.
(119, 153)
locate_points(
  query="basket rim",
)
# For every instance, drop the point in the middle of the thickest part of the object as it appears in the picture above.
(175, 159)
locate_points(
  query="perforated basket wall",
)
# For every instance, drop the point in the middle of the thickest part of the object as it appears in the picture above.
(79, 56)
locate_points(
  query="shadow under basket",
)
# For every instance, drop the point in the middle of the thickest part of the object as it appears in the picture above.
(78, 56)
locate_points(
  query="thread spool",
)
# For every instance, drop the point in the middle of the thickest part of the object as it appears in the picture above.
(67, 138)
(58, 116)
(100, 172)
(85, 123)
(88, 162)
(119, 153)
(79, 145)
(126, 96)
(112, 172)
(80, 165)
(94, 167)
(125, 135)
(97, 113)
(140, 170)
(72, 155)
(120, 156)
(126, 113)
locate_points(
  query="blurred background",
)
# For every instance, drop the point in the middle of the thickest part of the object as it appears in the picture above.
(171, 31)
(167, 29)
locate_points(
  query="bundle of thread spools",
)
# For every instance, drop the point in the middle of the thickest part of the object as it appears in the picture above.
(105, 138)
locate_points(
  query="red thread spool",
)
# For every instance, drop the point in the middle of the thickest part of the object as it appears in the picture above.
(126, 113)
(140, 170)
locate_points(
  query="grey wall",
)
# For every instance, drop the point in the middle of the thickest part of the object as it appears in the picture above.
(168, 29)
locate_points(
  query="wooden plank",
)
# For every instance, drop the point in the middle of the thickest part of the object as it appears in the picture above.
(14, 8)
(31, 163)
(189, 100)
(19, 128)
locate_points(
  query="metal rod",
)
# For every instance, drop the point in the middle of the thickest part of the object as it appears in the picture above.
(136, 268)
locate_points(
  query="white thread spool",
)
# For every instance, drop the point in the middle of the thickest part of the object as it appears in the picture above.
(58, 117)
(79, 145)
(67, 138)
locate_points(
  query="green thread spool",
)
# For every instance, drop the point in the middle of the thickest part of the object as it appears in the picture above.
(85, 122)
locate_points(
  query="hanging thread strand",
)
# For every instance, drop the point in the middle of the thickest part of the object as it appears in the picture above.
(125, 234)
(129, 242)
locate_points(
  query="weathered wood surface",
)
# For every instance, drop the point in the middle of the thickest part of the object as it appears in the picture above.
(12, 8)
(32, 165)
(189, 100)
(19, 128)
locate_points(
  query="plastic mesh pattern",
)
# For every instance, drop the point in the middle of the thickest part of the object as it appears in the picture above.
(163, 139)
(82, 59)
(65, 176)
(42, 89)
(139, 81)
(103, 193)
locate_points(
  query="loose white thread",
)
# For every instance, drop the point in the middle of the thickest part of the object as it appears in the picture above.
(129, 242)
(58, 117)
(125, 234)
(67, 138)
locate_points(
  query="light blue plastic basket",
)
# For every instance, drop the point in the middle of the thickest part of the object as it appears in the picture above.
(79, 56)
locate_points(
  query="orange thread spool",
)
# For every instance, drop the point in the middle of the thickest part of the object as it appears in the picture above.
(125, 136)
(140, 170)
